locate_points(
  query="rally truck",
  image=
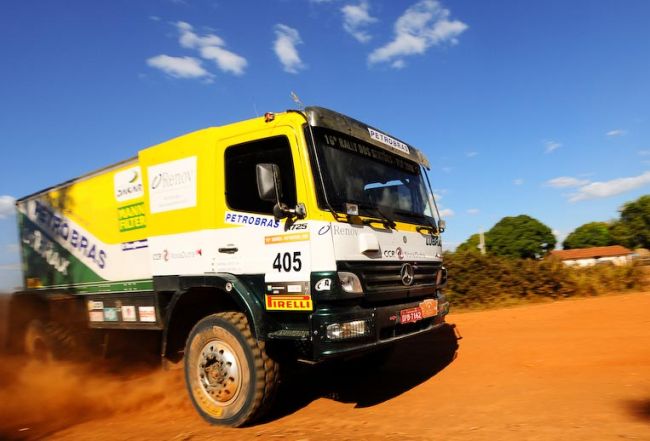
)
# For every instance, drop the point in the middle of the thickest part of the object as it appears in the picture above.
(304, 235)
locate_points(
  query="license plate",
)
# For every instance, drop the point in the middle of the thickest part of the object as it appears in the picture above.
(410, 315)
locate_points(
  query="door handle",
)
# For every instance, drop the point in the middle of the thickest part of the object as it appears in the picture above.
(228, 250)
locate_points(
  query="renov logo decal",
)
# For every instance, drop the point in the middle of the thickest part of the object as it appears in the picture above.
(172, 185)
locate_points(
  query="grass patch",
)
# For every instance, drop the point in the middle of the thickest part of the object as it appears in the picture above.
(479, 282)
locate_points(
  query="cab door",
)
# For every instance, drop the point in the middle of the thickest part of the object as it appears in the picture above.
(253, 243)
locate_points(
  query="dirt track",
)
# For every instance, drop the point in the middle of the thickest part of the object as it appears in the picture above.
(574, 370)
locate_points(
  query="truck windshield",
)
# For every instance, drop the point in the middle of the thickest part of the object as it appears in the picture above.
(378, 181)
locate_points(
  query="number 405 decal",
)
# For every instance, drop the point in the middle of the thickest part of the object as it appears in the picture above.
(288, 262)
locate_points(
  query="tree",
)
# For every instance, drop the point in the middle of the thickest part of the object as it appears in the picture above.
(593, 234)
(471, 245)
(520, 236)
(633, 229)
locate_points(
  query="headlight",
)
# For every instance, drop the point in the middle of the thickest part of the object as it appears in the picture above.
(350, 282)
(338, 331)
(441, 277)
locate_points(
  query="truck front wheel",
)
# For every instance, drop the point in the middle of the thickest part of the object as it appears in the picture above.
(229, 376)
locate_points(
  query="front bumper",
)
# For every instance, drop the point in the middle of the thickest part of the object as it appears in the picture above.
(382, 323)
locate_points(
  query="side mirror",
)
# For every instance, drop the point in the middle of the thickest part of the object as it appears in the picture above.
(442, 225)
(268, 182)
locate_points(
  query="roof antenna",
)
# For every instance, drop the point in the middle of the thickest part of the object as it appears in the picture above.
(296, 100)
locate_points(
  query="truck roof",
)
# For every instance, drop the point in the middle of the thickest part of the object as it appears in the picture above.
(322, 117)
(78, 178)
(316, 117)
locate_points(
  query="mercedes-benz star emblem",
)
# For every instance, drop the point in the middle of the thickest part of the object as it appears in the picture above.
(407, 274)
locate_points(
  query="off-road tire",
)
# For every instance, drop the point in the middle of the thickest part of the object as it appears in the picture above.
(258, 373)
(47, 341)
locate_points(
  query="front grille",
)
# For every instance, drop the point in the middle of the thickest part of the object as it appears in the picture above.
(382, 280)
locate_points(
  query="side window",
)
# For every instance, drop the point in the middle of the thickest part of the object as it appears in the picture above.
(241, 180)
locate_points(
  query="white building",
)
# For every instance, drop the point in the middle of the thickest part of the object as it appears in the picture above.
(615, 254)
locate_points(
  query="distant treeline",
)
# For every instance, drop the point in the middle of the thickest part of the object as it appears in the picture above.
(477, 280)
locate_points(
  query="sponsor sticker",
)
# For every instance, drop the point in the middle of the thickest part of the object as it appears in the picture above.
(415, 255)
(283, 238)
(131, 217)
(289, 302)
(95, 305)
(429, 308)
(128, 313)
(135, 245)
(110, 314)
(65, 233)
(168, 255)
(324, 285)
(147, 313)
(432, 240)
(96, 316)
(387, 140)
(251, 219)
(340, 230)
(128, 184)
(172, 185)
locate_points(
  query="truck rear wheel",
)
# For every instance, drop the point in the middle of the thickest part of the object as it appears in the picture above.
(47, 341)
(228, 374)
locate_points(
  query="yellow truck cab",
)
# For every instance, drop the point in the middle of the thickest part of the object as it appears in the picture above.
(304, 233)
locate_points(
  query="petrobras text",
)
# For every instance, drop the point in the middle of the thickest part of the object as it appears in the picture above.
(62, 229)
(251, 219)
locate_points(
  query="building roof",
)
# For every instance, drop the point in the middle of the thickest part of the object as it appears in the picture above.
(591, 253)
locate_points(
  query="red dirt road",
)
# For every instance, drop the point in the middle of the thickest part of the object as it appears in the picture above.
(571, 370)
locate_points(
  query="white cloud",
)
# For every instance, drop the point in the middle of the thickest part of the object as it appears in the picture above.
(179, 67)
(423, 25)
(550, 146)
(190, 40)
(566, 181)
(447, 169)
(446, 212)
(518, 181)
(605, 189)
(211, 47)
(286, 40)
(644, 152)
(356, 18)
(7, 206)
(473, 211)
(154, 18)
(226, 61)
(471, 154)
(560, 236)
(616, 132)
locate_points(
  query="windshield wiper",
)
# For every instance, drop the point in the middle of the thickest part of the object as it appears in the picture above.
(428, 228)
(385, 220)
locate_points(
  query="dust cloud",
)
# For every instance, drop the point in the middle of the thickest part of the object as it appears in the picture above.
(40, 398)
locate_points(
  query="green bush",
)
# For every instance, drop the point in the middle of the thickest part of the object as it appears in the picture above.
(477, 281)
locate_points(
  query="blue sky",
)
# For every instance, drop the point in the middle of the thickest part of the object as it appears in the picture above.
(528, 107)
